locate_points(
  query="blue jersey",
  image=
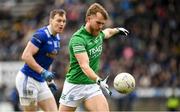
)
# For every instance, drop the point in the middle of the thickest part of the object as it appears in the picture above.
(49, 47)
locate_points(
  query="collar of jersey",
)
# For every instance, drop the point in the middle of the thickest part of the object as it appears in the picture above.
(83, 28)
(49, 29)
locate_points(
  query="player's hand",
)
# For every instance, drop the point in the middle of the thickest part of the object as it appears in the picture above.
(122, 31)
(47, 75)
(103, 85)
(52, 86)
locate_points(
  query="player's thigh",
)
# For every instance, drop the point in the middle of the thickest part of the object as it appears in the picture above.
(46, 100)
(97, 103)
(48, 104)
(64, 108)
(72, 95)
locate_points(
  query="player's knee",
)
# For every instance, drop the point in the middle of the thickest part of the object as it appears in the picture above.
(31, 108)
(63, 108)
(48, 105)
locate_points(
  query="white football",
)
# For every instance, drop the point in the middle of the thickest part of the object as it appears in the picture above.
(124, 83)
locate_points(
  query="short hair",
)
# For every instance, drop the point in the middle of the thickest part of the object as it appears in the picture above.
(61, 12)
(94, 8)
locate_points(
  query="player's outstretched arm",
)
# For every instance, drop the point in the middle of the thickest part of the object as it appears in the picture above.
(109, 32)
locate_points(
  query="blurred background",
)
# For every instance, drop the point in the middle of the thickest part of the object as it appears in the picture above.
(151, 53)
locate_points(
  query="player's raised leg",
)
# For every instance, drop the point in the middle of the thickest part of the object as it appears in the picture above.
(97, 103)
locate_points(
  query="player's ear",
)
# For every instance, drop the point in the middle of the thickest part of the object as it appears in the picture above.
(88, 18)
(50, 20)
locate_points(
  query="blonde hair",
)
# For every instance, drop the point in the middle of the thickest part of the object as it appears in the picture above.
(94, 8)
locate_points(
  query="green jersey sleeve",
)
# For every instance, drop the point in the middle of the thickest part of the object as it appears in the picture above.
(103, 35)
(78, 44)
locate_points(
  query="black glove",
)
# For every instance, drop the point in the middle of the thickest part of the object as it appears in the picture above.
(122, 31)
(103, 85)
(52, 86)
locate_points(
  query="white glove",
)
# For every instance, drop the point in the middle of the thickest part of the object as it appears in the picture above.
(103, 85)
(122, 31)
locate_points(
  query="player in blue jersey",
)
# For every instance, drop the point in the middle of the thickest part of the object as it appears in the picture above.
(33, 79)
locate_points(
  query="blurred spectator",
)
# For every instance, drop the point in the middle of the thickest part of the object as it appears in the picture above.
(14, 99)
(3, 88)
(172, 103)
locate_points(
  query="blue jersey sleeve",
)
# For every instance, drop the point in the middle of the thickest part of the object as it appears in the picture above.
(37, 39)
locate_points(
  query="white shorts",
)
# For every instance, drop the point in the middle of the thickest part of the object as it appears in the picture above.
(31, 91)
(73, 94)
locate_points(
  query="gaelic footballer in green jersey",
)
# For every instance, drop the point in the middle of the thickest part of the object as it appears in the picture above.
(82, 82)
(82, 41)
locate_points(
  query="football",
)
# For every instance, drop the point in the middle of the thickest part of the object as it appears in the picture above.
(124, 83)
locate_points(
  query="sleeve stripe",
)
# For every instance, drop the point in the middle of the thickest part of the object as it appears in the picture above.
(37, 39)
(78, 48)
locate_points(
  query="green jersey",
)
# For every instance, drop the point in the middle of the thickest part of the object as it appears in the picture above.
(83, 41)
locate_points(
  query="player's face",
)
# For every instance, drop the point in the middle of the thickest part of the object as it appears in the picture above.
(96, 23)
(58, 23)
